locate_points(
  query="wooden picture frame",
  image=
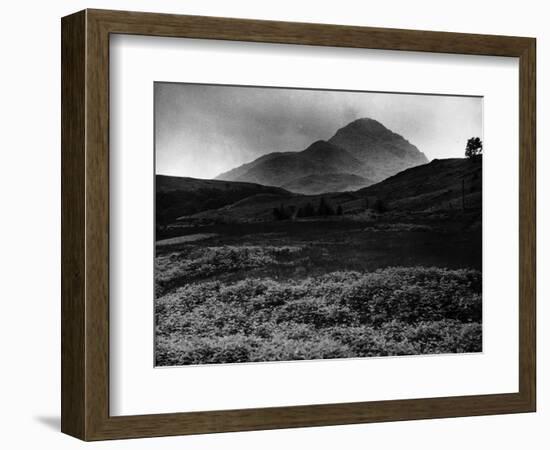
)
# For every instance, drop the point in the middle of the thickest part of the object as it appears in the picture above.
(85, 224)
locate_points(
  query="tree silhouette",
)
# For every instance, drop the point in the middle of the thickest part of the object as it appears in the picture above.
(282, 213)
(379, 206)
(309, 210)
(474, 147)
(324, 208)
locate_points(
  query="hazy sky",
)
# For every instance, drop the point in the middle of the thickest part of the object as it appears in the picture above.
(203, 130)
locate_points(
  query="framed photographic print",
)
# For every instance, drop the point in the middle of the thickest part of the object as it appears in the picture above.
(272, 225)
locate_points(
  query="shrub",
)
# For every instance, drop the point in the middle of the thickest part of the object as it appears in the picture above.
(196, 263)
(394, 311)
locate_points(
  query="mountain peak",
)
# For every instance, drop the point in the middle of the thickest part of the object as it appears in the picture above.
(362, 127)
(366, 124)
(372, 143)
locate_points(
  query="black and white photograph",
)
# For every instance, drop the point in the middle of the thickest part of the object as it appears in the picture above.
(307, 224)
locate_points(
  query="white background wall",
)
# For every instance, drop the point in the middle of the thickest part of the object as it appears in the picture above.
(30, 221)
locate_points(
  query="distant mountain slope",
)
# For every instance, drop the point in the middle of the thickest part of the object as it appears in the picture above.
(437, 185)
(385, 152)
(277, 169)
(238, 172)
(330, 182)
(181, 196)
(363, 148)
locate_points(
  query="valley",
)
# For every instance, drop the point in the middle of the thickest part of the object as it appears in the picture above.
(246, 272)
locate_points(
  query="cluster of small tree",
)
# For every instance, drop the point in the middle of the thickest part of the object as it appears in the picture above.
(283, 213)
(324, 208)
(379, 206)
(308, 210)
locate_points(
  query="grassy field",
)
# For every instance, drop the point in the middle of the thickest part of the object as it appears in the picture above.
(313, 289)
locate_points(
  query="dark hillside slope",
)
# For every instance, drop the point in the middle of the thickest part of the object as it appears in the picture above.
(182, 196)
(436, 185)
(430, 187)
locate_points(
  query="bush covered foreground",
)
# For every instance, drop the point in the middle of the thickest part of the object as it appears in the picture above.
(393, 311)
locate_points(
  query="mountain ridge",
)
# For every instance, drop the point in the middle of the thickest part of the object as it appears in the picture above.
(364, 148)
(280, 168)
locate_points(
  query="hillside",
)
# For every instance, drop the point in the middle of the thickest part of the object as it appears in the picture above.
(432, 187)
(183, 196)
(437, 185)
(364, 148)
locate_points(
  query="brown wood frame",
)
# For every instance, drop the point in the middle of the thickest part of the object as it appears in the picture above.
(85, 224)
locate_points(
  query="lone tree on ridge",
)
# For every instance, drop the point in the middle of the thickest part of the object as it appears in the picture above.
(474, 147)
